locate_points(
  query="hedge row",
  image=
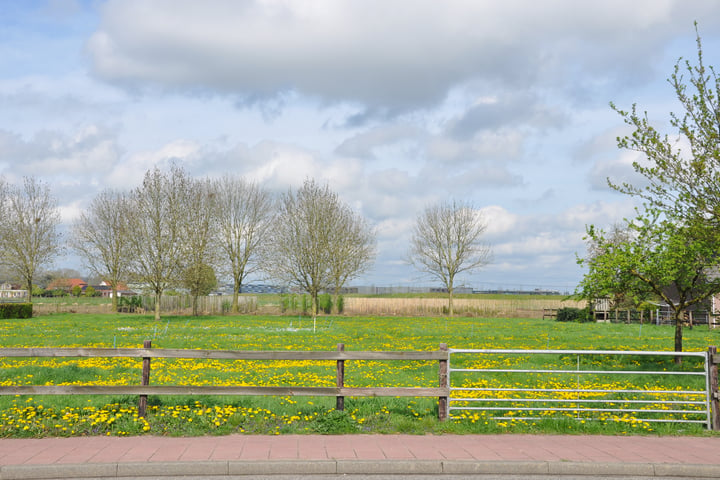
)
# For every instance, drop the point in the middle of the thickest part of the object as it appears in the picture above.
(570, 314)
(16, 310)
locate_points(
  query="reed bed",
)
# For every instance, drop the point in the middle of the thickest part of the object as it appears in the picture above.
(481, 307)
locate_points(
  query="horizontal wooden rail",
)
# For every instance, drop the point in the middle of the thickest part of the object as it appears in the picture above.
(221, 354)
(340, 391)
(210, 390)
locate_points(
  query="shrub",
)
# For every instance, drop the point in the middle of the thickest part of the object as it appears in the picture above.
(129, 304)
(15, 310)
(288, 303)
(340, 304)
(226, 306)
(570, 314)
(325, 303)
(334, 422)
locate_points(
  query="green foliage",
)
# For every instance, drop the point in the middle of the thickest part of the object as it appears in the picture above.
(677, 235)
(15, 310)
(76, 291)
(129, 304)
(325, 303)
(90, 291)
(335, 422)
(682, 168)
(226, 307)
(664, 257)
(340, 304)
(288, 303)
(570, 314)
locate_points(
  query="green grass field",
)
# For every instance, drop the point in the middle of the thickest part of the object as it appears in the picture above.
(97, 415)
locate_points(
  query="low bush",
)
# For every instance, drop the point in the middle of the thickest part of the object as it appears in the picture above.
(325, 303)
(15, 310)
(570, 314)
(129, 304)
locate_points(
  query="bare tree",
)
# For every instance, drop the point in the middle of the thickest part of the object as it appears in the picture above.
(100, 236)
(353, 248)
(446, 241)
(28, 233)
(157, 212)
(4, 191)
(199, 239)
(307, 241)
(245, 213)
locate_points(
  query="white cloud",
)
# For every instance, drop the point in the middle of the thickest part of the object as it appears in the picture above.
(499, 221)
(130, 173)
(409, 56)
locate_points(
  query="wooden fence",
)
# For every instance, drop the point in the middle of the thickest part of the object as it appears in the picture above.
(207, 305)
(340, 391)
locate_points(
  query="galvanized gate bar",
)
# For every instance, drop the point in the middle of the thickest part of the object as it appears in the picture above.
(580, 352)
(579, 405)
(588, 390)
(605, 372)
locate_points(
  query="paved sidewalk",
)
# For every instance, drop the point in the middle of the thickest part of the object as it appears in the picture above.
(236, 455)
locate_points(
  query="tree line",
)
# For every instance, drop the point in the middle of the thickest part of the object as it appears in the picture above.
(175, 229)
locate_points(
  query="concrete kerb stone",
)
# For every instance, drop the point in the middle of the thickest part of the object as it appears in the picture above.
(171, 469)
(470, 467)
(283, 467)
(686, 470)
(601, 469)
(356, 467)
(389, 467)
(35, 472)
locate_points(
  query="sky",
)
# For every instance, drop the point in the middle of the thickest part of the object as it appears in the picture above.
(395, 104)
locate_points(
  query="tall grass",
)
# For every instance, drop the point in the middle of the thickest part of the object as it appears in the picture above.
(516, 307)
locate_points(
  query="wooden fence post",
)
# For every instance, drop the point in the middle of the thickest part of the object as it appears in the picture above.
(443, 383)
(145, 381)
(340, 382)
(713, 361)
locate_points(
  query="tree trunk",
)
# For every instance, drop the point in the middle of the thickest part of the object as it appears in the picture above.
(314, 306)
(336, 296)
(451, 310)
(29, 288)
(678, 336)
(114, 300)
(195, 305)
(236, 293)
(158, 296)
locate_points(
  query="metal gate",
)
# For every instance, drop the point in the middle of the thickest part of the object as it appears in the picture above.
(631, 386)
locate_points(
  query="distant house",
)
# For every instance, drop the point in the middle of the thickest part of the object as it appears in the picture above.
(10, 291)
(106, 291)
(67, 284)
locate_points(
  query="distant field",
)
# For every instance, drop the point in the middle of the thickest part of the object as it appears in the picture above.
(91, 415)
